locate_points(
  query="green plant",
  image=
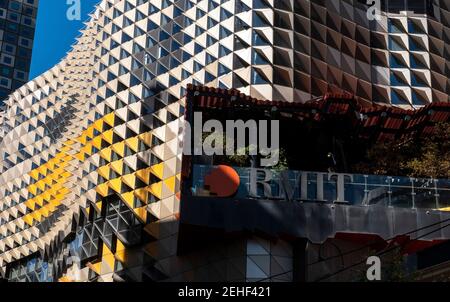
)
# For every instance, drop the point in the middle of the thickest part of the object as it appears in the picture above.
(416, 157)
(241, 157)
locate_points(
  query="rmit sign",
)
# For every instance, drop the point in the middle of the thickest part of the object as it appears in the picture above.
(294, 185)
(354, 189)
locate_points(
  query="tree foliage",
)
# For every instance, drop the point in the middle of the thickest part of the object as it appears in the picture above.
(416, 157)
(240, 157)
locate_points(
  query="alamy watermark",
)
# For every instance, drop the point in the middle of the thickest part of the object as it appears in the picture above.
(374, 270)
(234, 137)
(74, 274)
(376, 6)
(74, 10)
(373, 13)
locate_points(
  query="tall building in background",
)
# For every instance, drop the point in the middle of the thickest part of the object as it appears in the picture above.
(90, 154)
(17, 26)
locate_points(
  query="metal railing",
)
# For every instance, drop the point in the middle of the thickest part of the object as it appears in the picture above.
(351, 189)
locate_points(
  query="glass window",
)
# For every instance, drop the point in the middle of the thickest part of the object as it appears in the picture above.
(396, 63)
(20, 75)
(397, 100)
(414, 28)
(23, 52)
(13, 17)
(5, 71)
(14, 5)
(394, 45)
(258, 40)
(7, 59)
(417, 6)
(5, 82)
(14, 27)
(27, 21)
(9, 48)
(257, 59)
(11, 38)
(394, 26)
(28, 11)
(396, 81)
(416, 64)
(417, 99)
(257, 78)
(22, 64)
(416, 81)
(415, 45)
(395, 6)
(258, 21)
(25, 42)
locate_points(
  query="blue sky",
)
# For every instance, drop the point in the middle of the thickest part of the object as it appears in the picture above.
(55, 33)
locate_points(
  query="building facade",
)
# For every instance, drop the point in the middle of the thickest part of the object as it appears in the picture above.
(17, 26)
(91, 153)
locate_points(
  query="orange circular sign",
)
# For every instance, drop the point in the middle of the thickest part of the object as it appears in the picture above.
(222, 181)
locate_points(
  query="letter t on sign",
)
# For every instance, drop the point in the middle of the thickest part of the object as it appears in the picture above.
(340, 181)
